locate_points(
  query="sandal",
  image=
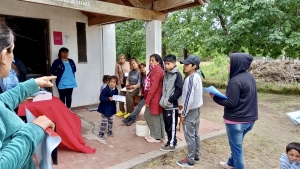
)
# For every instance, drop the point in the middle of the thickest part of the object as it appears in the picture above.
(152, 140)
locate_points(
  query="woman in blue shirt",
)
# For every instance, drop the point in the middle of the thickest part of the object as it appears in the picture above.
(64, 68)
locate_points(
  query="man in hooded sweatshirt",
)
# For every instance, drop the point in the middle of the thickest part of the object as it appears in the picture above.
(172, 89)
(240, 107)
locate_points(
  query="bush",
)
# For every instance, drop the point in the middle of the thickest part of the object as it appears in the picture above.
(216, 73)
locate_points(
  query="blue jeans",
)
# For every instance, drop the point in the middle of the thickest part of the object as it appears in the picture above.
(236, 134)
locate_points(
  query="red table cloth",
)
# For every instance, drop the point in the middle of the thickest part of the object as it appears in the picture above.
(67, 123)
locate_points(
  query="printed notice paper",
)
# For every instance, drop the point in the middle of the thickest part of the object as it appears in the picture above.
(45, 148)
(119, 98)
(294, 116)
(215, 92)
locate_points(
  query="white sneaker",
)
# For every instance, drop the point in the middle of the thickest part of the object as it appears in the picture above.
(225, 165)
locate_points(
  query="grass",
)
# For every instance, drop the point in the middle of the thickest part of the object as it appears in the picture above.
(262, 146)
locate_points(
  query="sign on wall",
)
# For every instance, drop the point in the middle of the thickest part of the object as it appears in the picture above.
(57, 38)
(66, 38)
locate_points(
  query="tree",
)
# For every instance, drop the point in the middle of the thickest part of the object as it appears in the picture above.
(131, 39)
(259, 27)
(184, 31)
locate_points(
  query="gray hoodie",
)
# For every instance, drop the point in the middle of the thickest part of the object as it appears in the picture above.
(172, 89)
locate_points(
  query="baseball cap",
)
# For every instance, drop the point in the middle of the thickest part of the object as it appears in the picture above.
(192, 59)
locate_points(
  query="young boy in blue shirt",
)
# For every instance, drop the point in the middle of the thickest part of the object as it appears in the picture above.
(172, 89)
(291, 159)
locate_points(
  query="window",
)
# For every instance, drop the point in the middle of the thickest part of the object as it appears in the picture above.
(81, 42)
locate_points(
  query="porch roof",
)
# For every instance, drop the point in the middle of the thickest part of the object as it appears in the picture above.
(112, 11)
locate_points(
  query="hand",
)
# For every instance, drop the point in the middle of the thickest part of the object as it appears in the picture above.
(212, 96)
(44, 122)
(169, 103)
(147, 105)
(44, 81)
(110, 99)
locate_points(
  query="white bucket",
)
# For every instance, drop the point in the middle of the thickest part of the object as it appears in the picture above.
(142, 129)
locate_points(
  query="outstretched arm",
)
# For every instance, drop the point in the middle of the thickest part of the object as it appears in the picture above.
(13, 97)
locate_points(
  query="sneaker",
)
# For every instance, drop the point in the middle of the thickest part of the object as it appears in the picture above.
(126, 115)
(120, 114)
(225, 165)
(197, 160)
(102, 136)
(167, 148)
(130, 122)
(164, 145)
(185, 163)
(111, 134)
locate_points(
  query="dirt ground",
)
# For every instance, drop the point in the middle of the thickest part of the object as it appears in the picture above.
(262, 146)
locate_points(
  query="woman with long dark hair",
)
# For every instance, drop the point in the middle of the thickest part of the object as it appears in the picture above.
(152, 95)
(64, 68)
(132, 83)
(18, 140)
(131, 119)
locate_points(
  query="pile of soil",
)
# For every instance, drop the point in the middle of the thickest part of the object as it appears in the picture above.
(276, 71)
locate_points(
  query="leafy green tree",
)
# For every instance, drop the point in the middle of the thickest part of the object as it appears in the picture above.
(131, 39)
(259, 27)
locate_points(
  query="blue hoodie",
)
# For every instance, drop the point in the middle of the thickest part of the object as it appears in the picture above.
(286, 164)
(241, 104)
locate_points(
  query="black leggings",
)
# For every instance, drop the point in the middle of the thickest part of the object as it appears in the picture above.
(65, 95)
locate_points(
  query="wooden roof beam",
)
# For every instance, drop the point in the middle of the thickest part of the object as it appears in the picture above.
(162, 5)
(115, 2)
(105, 8)
(136, 3)
(101, 20)
(201, 2)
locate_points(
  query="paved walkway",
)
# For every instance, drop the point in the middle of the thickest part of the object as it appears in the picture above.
(125, 150)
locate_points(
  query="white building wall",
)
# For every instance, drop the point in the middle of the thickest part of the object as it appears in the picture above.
(109, 49)
(153, 39)
(88, 75)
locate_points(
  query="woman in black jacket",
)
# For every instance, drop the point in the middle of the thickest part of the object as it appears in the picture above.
(240, 107)
(64, 68)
